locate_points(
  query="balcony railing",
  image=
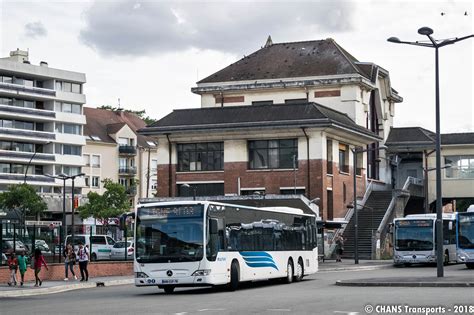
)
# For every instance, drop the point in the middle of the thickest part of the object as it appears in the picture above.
(27, 89)
(127, 150)
(28, 133)
(131, 191)
(27, 155)
(27, 111)
(127, 170)
(29, 177)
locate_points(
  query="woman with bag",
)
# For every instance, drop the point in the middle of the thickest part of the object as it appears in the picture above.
(83, 257)
(69, 261)
(38, 263)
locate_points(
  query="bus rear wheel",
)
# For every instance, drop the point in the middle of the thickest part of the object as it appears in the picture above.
(289, 272)
(299, 271)
(234, 276)
(168, 289)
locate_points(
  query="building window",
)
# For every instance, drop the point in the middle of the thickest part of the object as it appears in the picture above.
(360, 162)
(329, 156)
(264, 154)
(343, 158)
(291, 191)
(211, 189)
(68, 87)
(87, 159)
(154, 167)
(68, 108)
(95, 161)
(11, 168)
(67, 170)
(17, 146)
(87, 181)
(206, 156)
(95, 182)
(71, 149)
(461, 166)
(17, 124)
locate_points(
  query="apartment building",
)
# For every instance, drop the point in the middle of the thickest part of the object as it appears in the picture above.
(282, 120)
(41, 127)
(115, 151)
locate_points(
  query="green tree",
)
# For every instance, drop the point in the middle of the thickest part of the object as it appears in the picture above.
(111, 204)
(22, 199)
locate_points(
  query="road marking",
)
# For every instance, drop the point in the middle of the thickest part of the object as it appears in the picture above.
(211, 309)
(348, 313)
(182, 313)
(279, 310)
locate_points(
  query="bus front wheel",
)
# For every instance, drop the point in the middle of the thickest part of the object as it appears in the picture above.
(289, 272)
(234, 276)
(168, 289)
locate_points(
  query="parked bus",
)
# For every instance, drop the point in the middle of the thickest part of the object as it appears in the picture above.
(465, 237)
(415, 239)
(200, 243)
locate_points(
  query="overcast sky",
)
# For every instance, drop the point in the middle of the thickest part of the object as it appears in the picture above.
(150, 53)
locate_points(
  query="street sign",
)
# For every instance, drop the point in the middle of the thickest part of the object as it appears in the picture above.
(44, 223)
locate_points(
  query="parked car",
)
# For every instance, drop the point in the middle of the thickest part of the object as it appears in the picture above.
(41, 244)
(118, 251)
(101, 245)
(7, 246)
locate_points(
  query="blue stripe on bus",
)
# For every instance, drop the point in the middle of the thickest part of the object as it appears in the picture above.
(258, 259)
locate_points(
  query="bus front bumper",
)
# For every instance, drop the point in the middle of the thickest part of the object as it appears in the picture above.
(464, 256)
(414, 259)
(183, 281)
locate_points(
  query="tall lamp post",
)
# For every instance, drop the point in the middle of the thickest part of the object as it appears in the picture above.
(193, 188)
(356, 151)
(436, 44)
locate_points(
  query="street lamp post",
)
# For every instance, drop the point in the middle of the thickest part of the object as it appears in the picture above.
(436, 44)
(193, 188)
(355, 151)
(73, 208)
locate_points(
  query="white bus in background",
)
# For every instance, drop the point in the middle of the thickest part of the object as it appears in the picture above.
(465, 237)
(415, 239)
(200, 243)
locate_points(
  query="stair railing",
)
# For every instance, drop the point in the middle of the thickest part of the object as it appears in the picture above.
(347, 218)
(389, 214)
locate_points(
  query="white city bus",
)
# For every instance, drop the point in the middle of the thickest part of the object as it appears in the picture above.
(200, 243)
(415, 239)
(465, 237)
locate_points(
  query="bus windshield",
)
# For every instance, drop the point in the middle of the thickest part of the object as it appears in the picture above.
(169, 233)
(466, 230)
(414, 235)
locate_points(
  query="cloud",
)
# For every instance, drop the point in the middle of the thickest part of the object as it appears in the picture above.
(35, 30)
(150, 28)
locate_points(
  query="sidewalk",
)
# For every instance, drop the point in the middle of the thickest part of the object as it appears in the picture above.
(349, 265)
(51, 286)
(449, 281)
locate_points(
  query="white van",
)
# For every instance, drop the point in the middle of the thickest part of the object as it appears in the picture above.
(101, 245)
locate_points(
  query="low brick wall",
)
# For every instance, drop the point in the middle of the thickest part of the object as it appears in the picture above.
(56, 271)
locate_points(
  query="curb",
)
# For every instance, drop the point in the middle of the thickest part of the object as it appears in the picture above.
(404, 284)
(64, 288)
(361, 268)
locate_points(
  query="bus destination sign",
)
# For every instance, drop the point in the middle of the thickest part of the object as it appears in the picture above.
(415, 223)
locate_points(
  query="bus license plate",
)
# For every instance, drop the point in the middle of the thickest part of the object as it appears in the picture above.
(170, 281)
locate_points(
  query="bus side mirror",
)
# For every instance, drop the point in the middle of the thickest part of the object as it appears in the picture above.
(213, 227)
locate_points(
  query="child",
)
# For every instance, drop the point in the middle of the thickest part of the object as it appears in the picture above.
(13, 267)
(22, 266)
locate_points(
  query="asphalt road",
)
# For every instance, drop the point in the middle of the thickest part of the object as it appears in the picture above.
(317, 294)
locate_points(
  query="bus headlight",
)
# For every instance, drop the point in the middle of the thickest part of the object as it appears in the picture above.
(200, 273)
(141, 275)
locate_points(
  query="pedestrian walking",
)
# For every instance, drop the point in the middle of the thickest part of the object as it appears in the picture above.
(83, 257)
(69, 261)
(13, 267)
(339, 248)
(22, 259)
(38, 263)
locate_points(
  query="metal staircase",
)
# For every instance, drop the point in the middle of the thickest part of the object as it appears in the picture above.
(370, 217)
